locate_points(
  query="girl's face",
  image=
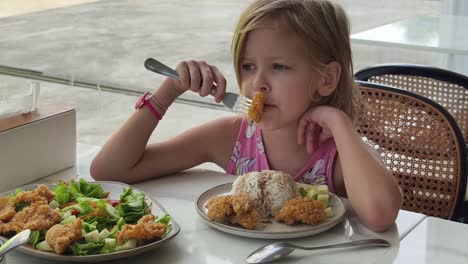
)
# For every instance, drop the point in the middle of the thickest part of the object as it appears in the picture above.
(275, 61)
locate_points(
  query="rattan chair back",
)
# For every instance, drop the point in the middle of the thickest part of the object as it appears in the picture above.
(420, 143)
(445, 87)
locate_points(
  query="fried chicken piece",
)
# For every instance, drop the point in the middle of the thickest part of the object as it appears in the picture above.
(60, 237)
(234, 209)
(301, 210)
(38, 216)
(219, 207)
(41, 193)
(7, 228)
(7, 209)
(256, 108)
(146, 229)
(247, 220)
(241, 203)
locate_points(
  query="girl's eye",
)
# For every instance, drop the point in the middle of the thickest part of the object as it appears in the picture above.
(247, 67)
(280, 67)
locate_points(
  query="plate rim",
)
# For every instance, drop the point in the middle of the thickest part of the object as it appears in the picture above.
(257, 233)
(27, 249)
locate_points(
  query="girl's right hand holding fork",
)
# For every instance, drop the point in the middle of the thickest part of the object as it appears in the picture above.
(128, 157)
(199, 77)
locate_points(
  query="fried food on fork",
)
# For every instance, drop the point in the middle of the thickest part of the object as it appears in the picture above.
(60, 237)
(256, 108)
(301, 210)
(146, 229)
(234, 209)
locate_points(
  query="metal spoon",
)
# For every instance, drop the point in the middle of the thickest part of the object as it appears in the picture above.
(16, 241)
(278, 250)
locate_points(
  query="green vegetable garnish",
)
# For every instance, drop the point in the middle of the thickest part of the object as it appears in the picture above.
(132, 206)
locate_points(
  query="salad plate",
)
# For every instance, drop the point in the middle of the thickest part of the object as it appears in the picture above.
(270, 229)
(114, 190)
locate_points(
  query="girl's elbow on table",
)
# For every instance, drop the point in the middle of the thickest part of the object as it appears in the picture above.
(99, 173)
(382, 218)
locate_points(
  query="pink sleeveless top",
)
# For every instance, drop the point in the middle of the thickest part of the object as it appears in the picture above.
(249, 155)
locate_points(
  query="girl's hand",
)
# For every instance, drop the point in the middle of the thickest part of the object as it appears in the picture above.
(314, 126)
(200, 77)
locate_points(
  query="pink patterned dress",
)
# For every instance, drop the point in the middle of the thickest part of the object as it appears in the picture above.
(249, 155)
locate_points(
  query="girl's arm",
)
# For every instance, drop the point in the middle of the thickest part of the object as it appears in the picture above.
(126, 156)
(359, 173)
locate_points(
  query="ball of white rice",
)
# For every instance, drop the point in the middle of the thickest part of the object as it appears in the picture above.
(268, 189)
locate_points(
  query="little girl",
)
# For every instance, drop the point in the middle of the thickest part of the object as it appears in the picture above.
(298, 53)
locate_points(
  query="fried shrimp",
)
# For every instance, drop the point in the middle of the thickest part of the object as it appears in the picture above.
(234, 209)
(146, 230)
(60, 237)
(301, 210)
(7, 209)
(256, 109)
(37, 216)
(41, 193)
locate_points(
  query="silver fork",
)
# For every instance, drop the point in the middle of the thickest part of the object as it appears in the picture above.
(232, 101)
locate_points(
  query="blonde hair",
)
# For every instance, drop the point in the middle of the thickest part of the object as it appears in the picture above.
(322, 25)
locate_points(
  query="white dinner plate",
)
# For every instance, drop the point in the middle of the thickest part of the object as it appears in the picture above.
(114, 189)
(273, 229)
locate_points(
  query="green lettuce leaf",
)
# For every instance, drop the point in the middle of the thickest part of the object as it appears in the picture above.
(132, 206)
(83, 207)
(62, 195)
(73, 191)
(34, 237)
(18, 190)
(89, 225)
(117, 227)
(86, 189)
(84, 248)
(165, 219)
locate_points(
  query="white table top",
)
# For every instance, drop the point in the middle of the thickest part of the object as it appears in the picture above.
(445, 33)
(434, 240)
(199, 243)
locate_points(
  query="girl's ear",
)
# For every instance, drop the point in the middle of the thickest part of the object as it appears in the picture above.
(330, 78)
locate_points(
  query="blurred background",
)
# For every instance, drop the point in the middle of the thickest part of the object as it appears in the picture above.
(90, 54)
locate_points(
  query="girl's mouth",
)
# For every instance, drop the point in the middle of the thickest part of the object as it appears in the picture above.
(267, 107)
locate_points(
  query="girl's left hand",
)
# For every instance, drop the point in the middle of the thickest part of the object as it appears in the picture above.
(314, 126)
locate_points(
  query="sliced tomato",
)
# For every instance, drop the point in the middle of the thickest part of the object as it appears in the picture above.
(114, 203)
(74, 212)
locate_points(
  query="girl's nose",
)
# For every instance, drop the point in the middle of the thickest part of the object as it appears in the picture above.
(265, 89)
(261, 84)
